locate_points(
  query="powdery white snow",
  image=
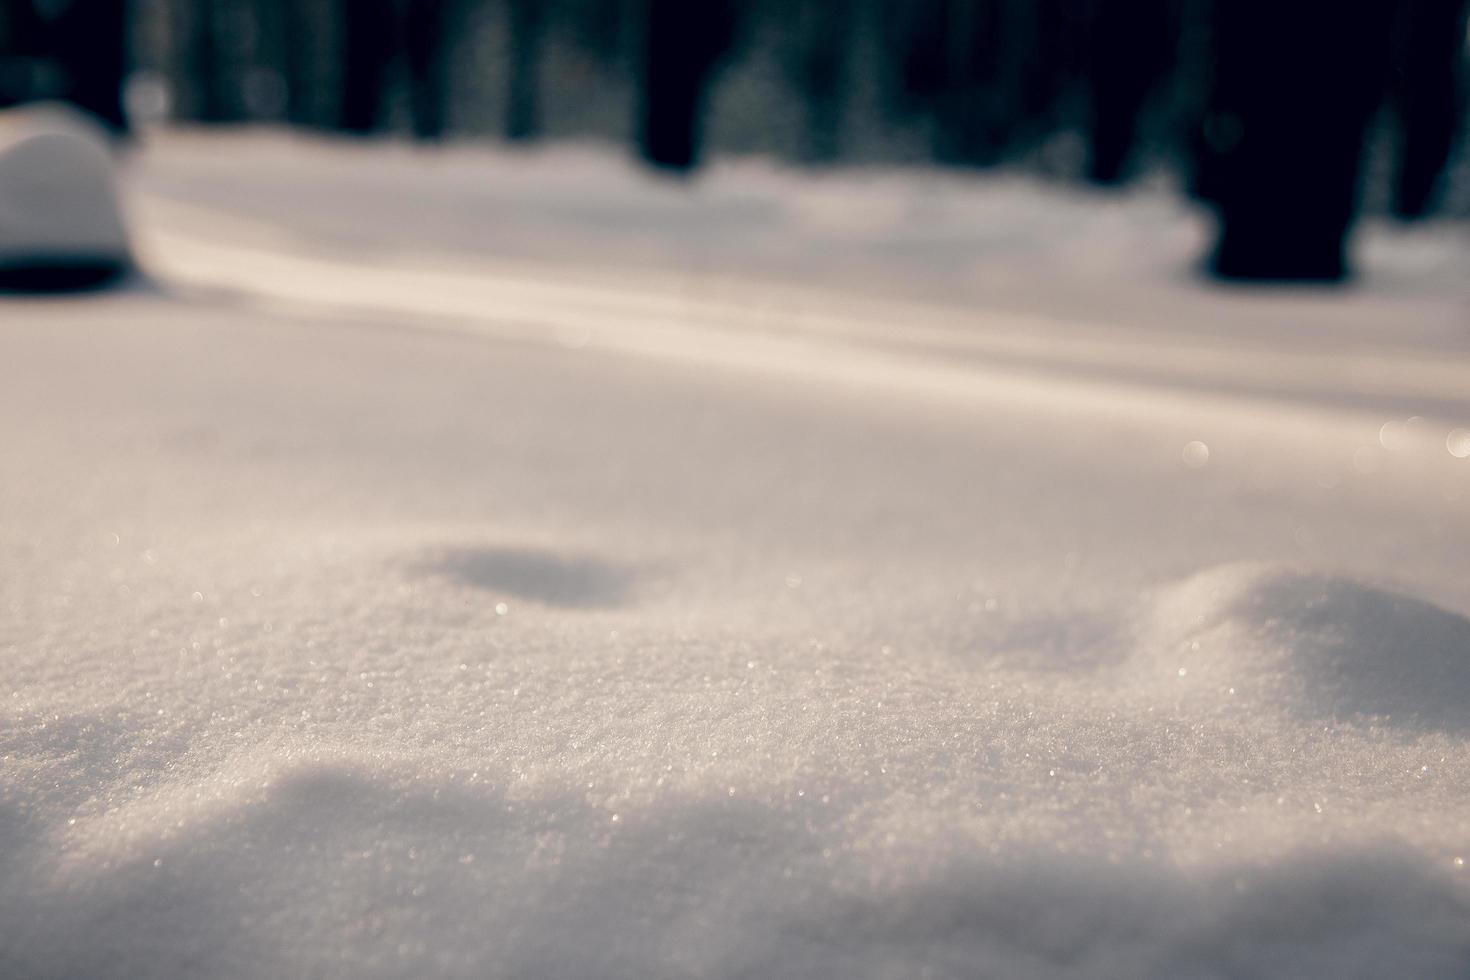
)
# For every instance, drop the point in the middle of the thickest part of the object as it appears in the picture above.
(477, 564)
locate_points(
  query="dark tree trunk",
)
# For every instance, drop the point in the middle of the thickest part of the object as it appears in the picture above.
(1295, 85)
(23, 42)
(973, 111)
(426, 43)
(367, 47)
(600, 28)
(1056, 58)
(969, 66)
(523, 112)
(913, 44)
(1132, 46)
(684, 43)
(204, 63)
(91, 43)
(823, 36)
(296, 60)
(1427, 88)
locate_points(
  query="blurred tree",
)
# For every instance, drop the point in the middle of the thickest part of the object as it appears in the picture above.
(294, 22)
(367, 42)
(684, 43)
(911, 33)
(374, 34)
(1427, 94)
(426, 32)
(599, 27)
(1132, 45)
(70, 49)
(523, 110)
(22, 44)
(819, 39)
(1055, 67)
(212, 90)
(987, 75)
(92, 40)
(1294, 87)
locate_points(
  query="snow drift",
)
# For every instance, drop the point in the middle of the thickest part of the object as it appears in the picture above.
(1317, 644)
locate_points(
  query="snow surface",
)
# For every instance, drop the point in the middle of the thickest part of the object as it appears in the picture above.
(484, 564)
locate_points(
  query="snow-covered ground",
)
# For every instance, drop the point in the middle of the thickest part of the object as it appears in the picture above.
(480, 564)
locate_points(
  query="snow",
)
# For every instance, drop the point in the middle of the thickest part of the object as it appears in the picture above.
(58, 200)
(490, 564)
(1317, 645)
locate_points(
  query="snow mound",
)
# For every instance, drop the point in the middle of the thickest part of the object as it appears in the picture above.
(1323, 645)
(59, 210)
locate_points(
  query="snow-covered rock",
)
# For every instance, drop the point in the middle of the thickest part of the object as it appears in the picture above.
(60, 218)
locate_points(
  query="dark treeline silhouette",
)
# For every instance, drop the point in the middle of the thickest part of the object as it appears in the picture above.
(1268, 108)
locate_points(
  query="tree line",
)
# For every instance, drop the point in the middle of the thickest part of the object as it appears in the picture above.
(1266, 108)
